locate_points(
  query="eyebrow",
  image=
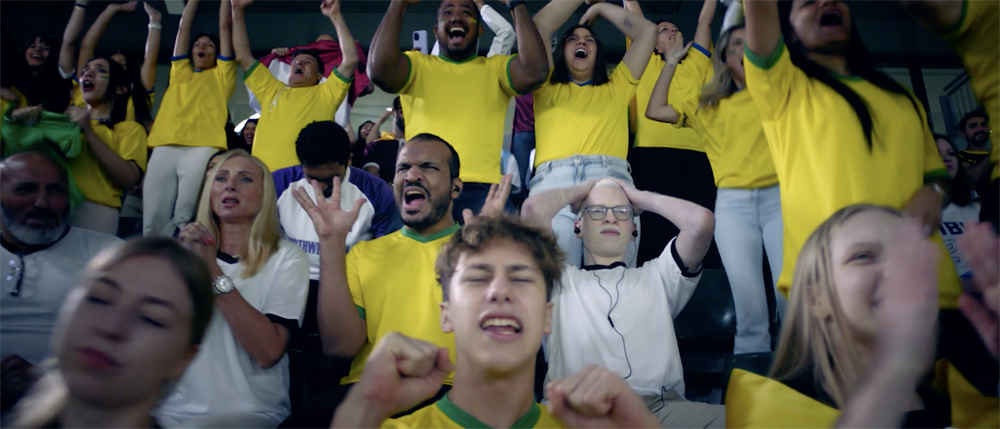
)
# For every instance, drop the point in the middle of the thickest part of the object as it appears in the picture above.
(148, 300)
(110, 283)
(509, 268)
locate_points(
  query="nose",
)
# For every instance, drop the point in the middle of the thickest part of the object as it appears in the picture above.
(499, 290)
(42, 200)
(113, 325)
(413, 174)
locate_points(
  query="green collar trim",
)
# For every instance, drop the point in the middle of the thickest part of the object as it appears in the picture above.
(846, 77)
(467, 421)
(471, 57)
(961, 20)
(413, 235)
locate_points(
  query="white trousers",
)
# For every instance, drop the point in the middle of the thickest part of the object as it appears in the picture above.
(170, 193)
(95, 217)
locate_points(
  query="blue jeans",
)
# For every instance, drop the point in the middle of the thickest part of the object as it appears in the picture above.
(566, 172)
(521, 145)
(472, 197)
(748, 221)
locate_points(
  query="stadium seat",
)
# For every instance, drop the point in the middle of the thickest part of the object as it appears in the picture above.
(705, 329)
(757, 363)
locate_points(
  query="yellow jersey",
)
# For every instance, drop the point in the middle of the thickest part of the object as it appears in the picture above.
(465, 103)
(650, 133)
(404, 299)
(11, 105)
(285, 111)
(573, 119)
(734, 137)
(445, 414)
(755, 401)
(195, 106)
(824, 162)
(128, 140)
(975, 38)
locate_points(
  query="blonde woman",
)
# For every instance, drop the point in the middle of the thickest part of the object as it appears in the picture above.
(859, 340)
(241, 379)
(748, 201)
(126, 334)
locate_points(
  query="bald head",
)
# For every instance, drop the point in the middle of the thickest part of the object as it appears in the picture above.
(34, 198)
(325, 37)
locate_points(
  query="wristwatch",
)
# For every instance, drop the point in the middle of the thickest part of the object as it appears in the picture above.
(223, 285)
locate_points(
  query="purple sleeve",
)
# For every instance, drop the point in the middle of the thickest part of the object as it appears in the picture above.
(387, 219)
(286, 176)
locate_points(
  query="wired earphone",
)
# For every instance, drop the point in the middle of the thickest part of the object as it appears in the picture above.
(613, 301)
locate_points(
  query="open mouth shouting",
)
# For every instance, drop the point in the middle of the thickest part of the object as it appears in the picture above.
(500, 326)
(457, 32)
(86, 84)
(414, 197)
(230, 202)
(831, 18)
(581, 52)
(298, 70)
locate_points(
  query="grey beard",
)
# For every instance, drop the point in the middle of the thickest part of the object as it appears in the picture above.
(28, 235)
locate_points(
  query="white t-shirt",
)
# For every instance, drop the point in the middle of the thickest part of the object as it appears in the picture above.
(47, 276)
(641, 303)
(223, 378)
(299, 228)
(953, 219)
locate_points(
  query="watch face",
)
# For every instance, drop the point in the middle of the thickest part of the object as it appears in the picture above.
(223, 284)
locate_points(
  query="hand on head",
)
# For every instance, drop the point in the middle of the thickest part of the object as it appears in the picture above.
(597, 398)
(329, 219)
(981, 247)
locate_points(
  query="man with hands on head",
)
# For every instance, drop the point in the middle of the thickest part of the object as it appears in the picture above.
(458, 95)
(387, 284)
(497, 277)
(287, 109)
(631, 334)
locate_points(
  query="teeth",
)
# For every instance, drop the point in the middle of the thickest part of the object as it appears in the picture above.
(414, 193)
(502, 322)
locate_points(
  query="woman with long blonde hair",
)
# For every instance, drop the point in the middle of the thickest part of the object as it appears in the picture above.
(241, 379)
(748, 201)
(858, 343)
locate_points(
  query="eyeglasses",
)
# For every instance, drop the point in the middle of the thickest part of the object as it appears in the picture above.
(15, 276)
(599, 212)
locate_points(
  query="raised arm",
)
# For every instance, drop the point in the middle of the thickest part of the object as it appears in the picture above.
(148, 71)
(124, 174)
(936, 15)
(89, 42)
(225, 29)
(375, 133)
(540, 209)
(659, 108)
(503, 33)
(349, 49)
(633, 6)
(695, 222)
(640, 30)
(342, 330)
(241, 42)
(551, 17)
(183, 38)
(387, 67)
(530, 68)
(703, 35)
(763, 31)
(67, 52)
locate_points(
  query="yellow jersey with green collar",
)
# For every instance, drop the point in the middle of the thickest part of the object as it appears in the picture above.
(465, 103)
(128, 140)
(734, 137)
(573, 119)
(650, 133)
(285, 111)
(975, 37)
(824, 162)
(445, 414)
(195, 106)
(395, 288)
